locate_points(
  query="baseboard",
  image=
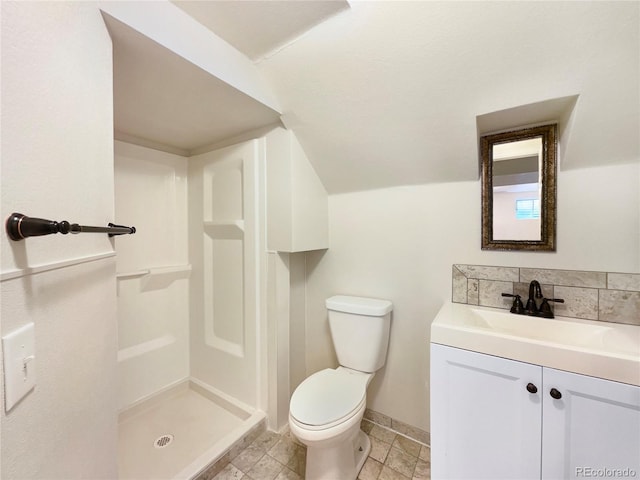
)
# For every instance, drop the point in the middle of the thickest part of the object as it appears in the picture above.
(414, 433)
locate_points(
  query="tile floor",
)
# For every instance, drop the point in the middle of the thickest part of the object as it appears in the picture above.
(281, 457)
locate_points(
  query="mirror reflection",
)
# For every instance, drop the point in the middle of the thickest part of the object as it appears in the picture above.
(518, 189)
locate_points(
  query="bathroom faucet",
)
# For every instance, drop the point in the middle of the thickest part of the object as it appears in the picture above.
(534, 290)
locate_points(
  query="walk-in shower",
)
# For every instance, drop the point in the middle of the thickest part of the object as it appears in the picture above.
(188, 308)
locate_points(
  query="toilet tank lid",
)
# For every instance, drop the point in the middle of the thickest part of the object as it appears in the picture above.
(359, 305)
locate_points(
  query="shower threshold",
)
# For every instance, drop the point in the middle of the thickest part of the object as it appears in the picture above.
(181, 433)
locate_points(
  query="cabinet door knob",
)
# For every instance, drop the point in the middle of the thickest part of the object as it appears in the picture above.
(531, 388)
(555, 394)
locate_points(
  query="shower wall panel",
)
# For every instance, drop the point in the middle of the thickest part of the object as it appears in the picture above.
(224, 285)
(153, 270)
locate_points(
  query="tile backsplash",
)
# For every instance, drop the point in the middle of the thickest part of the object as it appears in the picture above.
(604, 296)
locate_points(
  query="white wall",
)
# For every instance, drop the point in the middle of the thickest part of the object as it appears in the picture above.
(225, 248)
(153, 307)
(400, 243)
(286, 346)
(387, 93)
(57, 163)
(505, 224)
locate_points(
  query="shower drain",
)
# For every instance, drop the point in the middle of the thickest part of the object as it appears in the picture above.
(163, 441)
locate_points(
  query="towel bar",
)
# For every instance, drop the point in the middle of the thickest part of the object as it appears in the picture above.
(20, 226)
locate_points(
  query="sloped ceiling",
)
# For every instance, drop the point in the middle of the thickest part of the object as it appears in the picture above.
(394, 93)
(161, 99)
(388, 93)
(180, 86)
(259, 28)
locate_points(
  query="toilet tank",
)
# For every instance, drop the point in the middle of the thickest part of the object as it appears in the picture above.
(360, 331)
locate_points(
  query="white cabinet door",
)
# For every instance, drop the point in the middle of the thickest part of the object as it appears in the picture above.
(592, 430)
(297, 202)
(484, 422)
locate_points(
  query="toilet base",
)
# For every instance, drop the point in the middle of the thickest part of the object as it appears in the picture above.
(336, 462)
(362, 449)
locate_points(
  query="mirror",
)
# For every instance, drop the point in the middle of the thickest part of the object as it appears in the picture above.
(519, 189)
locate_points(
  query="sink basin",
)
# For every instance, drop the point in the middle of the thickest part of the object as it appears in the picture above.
(600, 349)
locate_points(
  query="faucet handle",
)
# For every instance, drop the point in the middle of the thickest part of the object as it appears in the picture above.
(545, 308)
(517, 306)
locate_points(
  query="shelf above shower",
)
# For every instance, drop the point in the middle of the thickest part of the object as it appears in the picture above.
(156, 278)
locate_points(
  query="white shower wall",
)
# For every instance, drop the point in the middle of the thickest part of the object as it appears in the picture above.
(188, 282)
(226, 249)
(153, 271)
(199, 295)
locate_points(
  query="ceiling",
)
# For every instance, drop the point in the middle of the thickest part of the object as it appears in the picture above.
(393, 93)
(259, 28)
(163, 100)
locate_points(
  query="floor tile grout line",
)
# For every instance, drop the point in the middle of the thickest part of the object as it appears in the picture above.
(285, 469)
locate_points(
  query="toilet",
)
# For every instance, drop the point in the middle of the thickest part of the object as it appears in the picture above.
(326, 409)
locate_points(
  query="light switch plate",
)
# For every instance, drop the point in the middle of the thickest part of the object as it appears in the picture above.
(19, 364)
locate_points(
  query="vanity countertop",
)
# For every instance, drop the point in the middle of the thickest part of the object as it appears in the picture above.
(599, 349)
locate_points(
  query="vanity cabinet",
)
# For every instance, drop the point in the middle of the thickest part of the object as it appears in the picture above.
(494, 418)
(594, 425)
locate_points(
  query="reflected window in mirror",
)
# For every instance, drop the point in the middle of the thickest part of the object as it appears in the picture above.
(518, 189)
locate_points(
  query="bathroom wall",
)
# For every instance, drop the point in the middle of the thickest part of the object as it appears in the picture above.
(400, 244)
(297, 310)
(286, 348)
(152, 271)
(57, 163)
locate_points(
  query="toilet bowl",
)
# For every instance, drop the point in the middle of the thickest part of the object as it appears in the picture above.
(326, 409)
(325, 414)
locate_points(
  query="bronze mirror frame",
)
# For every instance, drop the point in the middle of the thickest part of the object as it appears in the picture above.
(548, 191)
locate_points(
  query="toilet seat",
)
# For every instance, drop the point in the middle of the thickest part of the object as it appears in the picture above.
(329, 397)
